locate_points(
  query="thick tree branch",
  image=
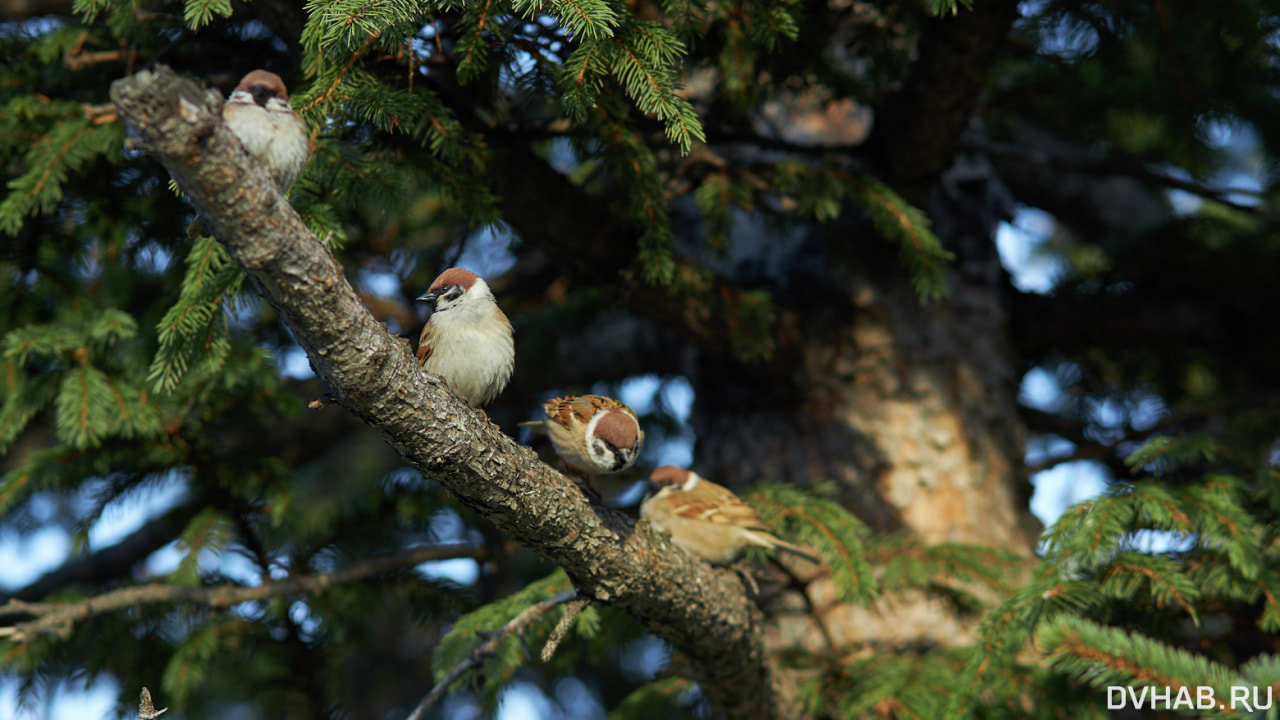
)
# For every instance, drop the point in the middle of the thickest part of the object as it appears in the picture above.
(59, 617)
(703, 612)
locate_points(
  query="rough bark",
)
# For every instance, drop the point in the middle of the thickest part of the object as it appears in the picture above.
(703, 612)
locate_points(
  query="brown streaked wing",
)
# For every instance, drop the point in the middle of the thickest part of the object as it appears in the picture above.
(696, 509)
(608, 403)
(716, 511)
(424, 345)
(558, 410)
(719, 493)
(724, 508)
(739, 513)
(585, 406)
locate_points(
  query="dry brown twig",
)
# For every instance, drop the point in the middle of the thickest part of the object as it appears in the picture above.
(82, 60)
(519, 622)
(561, 629)
(60, 617)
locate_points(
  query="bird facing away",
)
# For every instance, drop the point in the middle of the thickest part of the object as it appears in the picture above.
(707, 519)
(594, 434)
(467, 340)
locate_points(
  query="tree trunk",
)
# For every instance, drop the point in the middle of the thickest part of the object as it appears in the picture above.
(909, 407)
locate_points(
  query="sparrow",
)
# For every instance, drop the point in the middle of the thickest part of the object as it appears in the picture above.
(259, 114)
(707, 519)
(467, 340)
(593, 434)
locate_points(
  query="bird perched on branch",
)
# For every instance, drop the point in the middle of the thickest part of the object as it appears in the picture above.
(259, 114)
(467, 340)
(707, 519)
(593, 434)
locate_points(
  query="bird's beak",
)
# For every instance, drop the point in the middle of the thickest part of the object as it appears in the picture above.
(261, 94)
(429, 298)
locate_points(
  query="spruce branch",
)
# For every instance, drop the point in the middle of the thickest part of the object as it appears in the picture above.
(79, 60)
(488, 647)
(196, 327)
(824, 525)
(317, 96)
(1105, 167)
(664, 697)
(198, 13)
(1132, 572)
(589, 19)
(68, 147)
(473, 47)
(703, 612)
(1105, 656)
(906, 224)
(60, 617)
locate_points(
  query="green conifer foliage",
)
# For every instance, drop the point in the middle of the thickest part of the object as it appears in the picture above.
(297, 567)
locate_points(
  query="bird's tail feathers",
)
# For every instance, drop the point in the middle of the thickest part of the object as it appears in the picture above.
(772, 541)
(537, 426)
